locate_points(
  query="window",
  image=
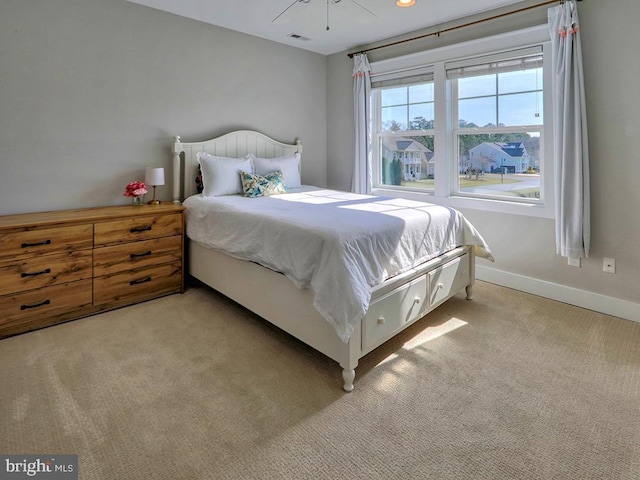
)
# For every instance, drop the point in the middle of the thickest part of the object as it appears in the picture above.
(468, 127)
(497, 120)
(405, 126)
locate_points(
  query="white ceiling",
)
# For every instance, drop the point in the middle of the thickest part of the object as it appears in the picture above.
(350, 25)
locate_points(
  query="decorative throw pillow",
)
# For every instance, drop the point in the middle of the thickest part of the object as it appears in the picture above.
(220, 174)
(257, 185)
(289, 166)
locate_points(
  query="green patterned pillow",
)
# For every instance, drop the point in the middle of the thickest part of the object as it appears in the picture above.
(258, 185)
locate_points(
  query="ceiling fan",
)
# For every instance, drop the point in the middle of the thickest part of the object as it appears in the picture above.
(328, 2)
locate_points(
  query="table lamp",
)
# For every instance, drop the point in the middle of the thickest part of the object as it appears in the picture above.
(154, 177)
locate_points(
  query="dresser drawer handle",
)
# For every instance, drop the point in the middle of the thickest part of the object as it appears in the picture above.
(35, 274)
(141, 229)
(24, 307)
(45, 242)
(142, 280)
(136, 255)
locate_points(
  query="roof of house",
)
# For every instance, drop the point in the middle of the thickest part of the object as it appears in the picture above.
(513, 149)
(400, 144)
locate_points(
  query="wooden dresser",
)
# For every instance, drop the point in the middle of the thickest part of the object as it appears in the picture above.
(59, 266)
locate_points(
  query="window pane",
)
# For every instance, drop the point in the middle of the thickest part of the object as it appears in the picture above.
(520, 109)
(481, 112)
(421, 116)
(477, 86)
(394, 118)
(520, 81)
(408, 161)
(502, 164)
(393, 96)
(421, 93)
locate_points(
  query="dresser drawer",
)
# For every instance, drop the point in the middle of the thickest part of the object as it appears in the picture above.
(137, 228)
(392, 312)
(448, 279)
(137, 285)
(118, 258)
(44, 270)
(48, 240)
(44, 303)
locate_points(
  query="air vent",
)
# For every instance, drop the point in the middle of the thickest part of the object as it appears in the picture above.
(298, 37)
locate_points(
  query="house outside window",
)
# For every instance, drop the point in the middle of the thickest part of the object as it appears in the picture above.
(498, 157)
(466, 124)
(405, 161)
(498, 119)
(405, 123)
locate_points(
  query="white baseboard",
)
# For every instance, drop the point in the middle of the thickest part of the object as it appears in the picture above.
(573, 296)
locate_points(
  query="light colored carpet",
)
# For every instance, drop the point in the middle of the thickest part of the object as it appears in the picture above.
(508, 386)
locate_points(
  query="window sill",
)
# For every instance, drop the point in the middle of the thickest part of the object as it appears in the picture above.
(486, 205)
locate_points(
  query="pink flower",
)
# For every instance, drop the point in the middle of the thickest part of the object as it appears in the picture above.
(135, 189)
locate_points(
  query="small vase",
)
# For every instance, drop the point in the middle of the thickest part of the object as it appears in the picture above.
(137, 201)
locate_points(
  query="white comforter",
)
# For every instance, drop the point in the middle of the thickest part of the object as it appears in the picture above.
(336, 243)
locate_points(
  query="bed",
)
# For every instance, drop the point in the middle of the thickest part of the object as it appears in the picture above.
(384, 300)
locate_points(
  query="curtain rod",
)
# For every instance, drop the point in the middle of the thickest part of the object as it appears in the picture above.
(450, 29)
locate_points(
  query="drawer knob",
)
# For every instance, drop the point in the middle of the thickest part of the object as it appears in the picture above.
(137, 255)
(35, 274)
(416, 300)
(37, 244)
(440, 285)
(141, 229)
(381, 320)
(36, 305)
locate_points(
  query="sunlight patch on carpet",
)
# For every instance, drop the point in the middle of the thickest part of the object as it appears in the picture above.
(427, 335)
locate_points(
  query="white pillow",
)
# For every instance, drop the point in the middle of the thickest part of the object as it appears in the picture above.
(221, 175)
(289, 166)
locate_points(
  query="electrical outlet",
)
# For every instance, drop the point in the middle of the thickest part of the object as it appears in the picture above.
(609, 265)
(574, 262)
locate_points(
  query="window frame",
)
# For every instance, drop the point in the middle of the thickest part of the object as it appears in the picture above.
(446, 169)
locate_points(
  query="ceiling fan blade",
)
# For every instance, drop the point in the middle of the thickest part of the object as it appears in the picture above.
(364, 8)
(285, 10)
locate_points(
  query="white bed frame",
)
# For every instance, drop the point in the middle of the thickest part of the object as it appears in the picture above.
(395, 304)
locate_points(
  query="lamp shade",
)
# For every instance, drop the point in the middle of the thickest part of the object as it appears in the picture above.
(154, 176)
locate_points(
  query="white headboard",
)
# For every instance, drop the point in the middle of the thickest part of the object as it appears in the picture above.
(235, 144)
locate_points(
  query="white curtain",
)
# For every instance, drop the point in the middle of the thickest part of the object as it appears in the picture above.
(361, 181)
(573, 223)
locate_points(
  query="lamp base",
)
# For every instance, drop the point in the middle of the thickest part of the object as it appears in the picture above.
(154, 201)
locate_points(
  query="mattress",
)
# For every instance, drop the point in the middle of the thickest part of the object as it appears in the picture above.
(337, 244)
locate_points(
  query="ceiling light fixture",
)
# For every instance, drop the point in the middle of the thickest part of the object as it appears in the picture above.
(405, 3)
(334, 2)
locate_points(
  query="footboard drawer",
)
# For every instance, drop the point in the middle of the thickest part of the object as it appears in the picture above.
(137, 285)
(392, 312)
(448, 279)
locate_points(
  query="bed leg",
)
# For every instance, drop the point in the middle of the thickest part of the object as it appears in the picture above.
(469, 290)
(348, 375)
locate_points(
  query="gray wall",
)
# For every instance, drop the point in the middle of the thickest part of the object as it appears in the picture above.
(92, 92)
(525, 246)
